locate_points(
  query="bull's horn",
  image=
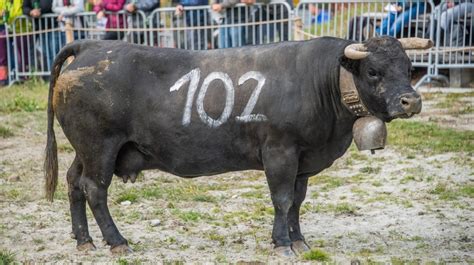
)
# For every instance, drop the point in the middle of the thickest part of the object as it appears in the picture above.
(415, 43)
(356, 51)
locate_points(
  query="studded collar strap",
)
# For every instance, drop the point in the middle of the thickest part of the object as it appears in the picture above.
(349, 94)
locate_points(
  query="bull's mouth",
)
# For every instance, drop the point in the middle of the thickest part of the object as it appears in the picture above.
(388, 117)
(404, 115)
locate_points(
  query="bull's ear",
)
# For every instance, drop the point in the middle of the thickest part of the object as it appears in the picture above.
(350, 64)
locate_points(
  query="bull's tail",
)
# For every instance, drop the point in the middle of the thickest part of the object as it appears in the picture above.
(51, 158)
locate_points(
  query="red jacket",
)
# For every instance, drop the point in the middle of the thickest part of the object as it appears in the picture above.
(113, 20)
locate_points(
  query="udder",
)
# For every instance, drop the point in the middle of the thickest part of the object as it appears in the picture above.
(130, 161)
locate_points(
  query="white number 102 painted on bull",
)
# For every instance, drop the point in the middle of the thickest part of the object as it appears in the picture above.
(194, 77)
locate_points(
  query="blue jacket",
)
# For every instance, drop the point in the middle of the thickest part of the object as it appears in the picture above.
(195, 17)
(194, 2)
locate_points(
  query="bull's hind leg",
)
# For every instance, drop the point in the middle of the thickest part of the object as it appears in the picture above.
(77, 205)
(280, 168)
(99, 166)
(298, 243)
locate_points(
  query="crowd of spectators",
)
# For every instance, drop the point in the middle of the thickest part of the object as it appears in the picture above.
(231, 32)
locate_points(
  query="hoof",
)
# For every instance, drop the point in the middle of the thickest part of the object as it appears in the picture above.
(121, 250)
(88, 246)
(300, 247)
(285, 252)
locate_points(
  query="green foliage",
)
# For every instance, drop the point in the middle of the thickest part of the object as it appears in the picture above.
(429, 137)
(6, 257)
(316, 255)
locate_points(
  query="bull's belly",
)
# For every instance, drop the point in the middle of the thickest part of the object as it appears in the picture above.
(184, 160)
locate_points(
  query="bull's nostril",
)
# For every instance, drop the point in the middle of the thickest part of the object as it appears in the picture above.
(405, 102)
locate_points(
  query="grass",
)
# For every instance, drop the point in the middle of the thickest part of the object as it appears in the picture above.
(316, 255)
(5, 132)
(327, 182)
(7, 257)
(256, 194)
(127, 196)
(370, 170)
(204, 198)
(181, 190)
(191, 216)
(445, 192)
(429, 137)
(124, 261)
(342, 208)
(455, 104)
(388, 198)
(214, 236)
(28, 97)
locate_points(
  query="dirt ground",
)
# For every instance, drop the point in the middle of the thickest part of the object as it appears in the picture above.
(402, 205)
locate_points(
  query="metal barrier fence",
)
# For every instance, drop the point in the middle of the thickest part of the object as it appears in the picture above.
(198, 28)
(35, 42)
(450, 26)
(454, 37)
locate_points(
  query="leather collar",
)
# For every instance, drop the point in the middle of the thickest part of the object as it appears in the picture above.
(349, 94)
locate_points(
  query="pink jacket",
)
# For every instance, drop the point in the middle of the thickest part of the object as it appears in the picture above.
(113, 20)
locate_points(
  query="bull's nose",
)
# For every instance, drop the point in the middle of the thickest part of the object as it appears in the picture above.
(411, 103)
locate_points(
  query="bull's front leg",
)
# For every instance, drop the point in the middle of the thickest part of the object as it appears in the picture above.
(298, 242)
(281, 164)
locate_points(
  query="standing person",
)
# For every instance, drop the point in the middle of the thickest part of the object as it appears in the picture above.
(399, 15)
(65, 10)
(51, 39)
(281, 13)
(114, 21)
(196, 38)
(9, 10)
(146, 6)
(451, 13)
(232, 36)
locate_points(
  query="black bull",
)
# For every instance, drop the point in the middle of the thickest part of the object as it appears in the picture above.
(126, 108)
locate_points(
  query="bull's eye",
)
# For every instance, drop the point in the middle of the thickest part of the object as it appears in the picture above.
(372, 73)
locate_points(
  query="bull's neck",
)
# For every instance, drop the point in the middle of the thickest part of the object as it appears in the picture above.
(350, 95)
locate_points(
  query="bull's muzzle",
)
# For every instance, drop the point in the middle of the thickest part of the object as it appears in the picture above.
(410, 103)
